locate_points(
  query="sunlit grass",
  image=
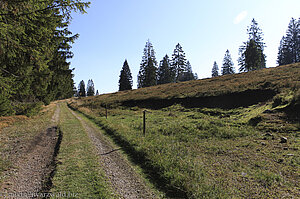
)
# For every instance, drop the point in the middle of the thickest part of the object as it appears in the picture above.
(79, 171)
(209, 153)
(212, 152)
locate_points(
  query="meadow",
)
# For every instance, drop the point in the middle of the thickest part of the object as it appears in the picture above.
(208, 150)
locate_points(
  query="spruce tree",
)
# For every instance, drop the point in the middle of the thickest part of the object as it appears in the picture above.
(282, 53)
(188, 74)
(5, 94)
(148, 71)
(178, 63)
(61, 83)
(289, 48)
(298, 46)
(252, 55)
(215, 70)
(125, 81)
(32, 34)
(292, 40)
(164, 71)
(81, 89)
(196, 76)
(227, 67)
(150, 74)
(90, 88)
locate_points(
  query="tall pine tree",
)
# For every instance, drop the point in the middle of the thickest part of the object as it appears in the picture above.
(148, 68)
(283, 53)
(5, 94)
(29, 45)
(215, 70)
(150, 74)
(125, 81)
(90, 88)
(178, 63)
(227, 67)
(252, 55)
(289, 49)
(188, 74)
(61, 83)
(164, 71)
(298, 46)
(81, 89)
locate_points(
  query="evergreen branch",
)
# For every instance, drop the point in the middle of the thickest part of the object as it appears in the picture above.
(8, 72)
(36, 11)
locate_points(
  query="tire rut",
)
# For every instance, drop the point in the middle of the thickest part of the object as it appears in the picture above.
(126, 182)
(33, 167)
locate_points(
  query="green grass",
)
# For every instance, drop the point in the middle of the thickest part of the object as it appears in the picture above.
(211, 152)
(78, 170)
(208, 153)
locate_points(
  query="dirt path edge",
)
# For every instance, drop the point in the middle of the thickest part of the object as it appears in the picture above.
(125, 180)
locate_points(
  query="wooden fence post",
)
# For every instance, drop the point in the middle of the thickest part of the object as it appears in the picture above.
(144, 122)
(106, 111)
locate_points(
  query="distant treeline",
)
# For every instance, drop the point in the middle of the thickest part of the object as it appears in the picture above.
(89, 91)
(35, 47)
(252, 55)
(178, 69)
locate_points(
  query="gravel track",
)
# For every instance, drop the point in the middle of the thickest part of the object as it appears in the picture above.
(33, 166)
(125, 180)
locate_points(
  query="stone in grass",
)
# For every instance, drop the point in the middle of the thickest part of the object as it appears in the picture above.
(244, 174)
(283, 140)
(269, 134)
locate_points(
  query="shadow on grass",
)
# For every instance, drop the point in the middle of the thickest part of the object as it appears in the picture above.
(153, 173)
(224, 101)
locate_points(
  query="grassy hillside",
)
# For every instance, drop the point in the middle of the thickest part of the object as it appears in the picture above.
(272, 81)
(230, 136)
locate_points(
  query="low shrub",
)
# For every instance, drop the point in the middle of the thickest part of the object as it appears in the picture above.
(28, 109)
(5, 106)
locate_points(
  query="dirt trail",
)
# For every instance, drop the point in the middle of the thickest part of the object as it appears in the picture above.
(34, 165)
(126, 182)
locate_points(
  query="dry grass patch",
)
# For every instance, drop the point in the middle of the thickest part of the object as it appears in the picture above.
(9, 120)
(278, 79)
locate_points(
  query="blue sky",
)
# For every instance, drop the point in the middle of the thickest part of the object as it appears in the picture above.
(115, 30)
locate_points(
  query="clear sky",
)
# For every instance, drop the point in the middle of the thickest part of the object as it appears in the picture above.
(115, 30)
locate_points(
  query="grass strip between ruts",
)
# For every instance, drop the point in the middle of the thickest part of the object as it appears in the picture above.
(78, 173)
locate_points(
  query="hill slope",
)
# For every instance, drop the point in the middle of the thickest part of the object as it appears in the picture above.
(225, 137)
(227, 91)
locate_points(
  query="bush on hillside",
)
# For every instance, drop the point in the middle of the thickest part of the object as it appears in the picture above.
(28, 108)
(5, 106)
